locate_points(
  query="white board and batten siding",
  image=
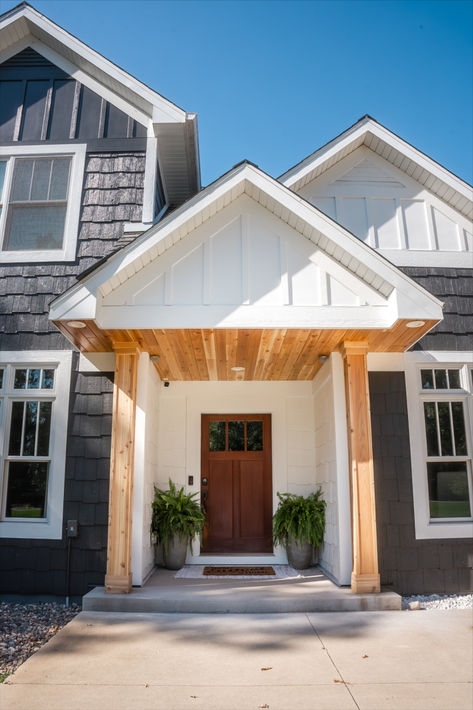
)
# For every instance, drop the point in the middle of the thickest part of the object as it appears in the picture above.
(391, 212)
(244, 256)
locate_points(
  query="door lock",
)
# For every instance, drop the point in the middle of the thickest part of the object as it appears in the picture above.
(205, 481)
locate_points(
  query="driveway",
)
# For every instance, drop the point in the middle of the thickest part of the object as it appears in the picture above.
(420, 660)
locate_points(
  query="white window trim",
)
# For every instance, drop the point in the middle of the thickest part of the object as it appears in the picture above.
(77, 151)
(49, 528)
(425, 528)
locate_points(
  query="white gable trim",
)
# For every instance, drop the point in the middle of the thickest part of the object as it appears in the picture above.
(413, 162)
(405, 297)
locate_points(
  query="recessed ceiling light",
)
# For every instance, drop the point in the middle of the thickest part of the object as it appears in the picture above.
(415, 324)
(238, 369)
(76, 324)
(322, 358)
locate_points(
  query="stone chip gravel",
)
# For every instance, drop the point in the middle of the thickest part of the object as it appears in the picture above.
(439, 601)
(24, 628)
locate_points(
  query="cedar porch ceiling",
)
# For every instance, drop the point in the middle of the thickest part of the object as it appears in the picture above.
(266, 354)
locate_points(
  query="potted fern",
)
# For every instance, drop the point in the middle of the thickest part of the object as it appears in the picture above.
(299, 525)
(176, 519)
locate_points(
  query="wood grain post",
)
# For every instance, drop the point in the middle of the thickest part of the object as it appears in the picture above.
(118, 576)
(365, 574)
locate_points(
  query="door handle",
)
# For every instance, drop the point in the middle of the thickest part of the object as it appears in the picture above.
(204, 500)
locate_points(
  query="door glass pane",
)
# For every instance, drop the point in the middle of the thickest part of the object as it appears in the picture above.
(454, 379)
(217, 436)
(431, 429)
(35, 227)
(44, 427)
(445, 428)
(448, 490)
(26, 491)
(47, 382)
(14, 448)
(30, 428)
(20, 379)
(236, 436)
(33, 379)
(41, 176)
(459, 429)
(427, 379)
(22, 180)
(441, 379)
(254, 436)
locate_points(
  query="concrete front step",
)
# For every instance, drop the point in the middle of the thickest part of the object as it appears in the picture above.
(311, 592)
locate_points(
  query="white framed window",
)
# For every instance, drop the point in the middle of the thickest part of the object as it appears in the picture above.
(440, 406)
(34, 401)
(40, 200)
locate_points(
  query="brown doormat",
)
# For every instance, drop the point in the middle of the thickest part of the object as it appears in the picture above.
(238, 571)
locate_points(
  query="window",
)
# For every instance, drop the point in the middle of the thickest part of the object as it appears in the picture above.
(34, 395)
(40, 196)
(441, 448)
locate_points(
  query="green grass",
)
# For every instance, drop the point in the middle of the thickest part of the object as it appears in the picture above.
(3, 676)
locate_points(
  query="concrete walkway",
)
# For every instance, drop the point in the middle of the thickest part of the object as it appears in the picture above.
(419, 660)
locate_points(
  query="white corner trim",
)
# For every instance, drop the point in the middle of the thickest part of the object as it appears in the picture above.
(77, 151)
(386, 362)
(343, 469)
(96, 362)
(424, 528)
(51, 528)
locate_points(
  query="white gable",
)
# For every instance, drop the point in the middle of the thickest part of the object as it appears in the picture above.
(246, 252)
(244, 257)
(390, 211)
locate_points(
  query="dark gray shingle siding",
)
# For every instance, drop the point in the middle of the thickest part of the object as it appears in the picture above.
(39, 566)
(410, 566)
(112, 195)
(455, 288)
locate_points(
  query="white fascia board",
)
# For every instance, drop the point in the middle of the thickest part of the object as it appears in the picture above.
(361, 130)
(77, 303)
(299, 171)
(42, 28)
(129, 260)
(247, 316)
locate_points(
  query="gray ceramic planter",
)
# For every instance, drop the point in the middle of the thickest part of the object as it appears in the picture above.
(299, 556)
(175, 555)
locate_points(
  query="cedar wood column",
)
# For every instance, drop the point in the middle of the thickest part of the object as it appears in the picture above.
(365, 574)
(118, 576)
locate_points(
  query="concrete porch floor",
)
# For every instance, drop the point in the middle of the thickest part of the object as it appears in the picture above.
(310, 592)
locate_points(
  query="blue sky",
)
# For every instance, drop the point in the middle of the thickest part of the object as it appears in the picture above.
(272, 81)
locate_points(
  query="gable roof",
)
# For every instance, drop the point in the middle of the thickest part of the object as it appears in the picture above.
(367, 131)
(23, 26)
(407, 298)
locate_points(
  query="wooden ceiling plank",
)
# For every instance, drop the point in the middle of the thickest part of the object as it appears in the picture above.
(208, 339)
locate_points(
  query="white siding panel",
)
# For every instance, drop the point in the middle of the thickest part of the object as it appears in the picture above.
(326, 205)
(383, 215)
(187, 278)
(415, 218)
(340, 295)
(226, 265)
(447, 231)
(352, 215)
(265, 265)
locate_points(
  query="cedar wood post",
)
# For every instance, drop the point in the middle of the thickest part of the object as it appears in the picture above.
(365, 573)
(118, 576)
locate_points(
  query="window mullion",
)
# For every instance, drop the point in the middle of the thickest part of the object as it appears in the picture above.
(439, 440)
(23, 423)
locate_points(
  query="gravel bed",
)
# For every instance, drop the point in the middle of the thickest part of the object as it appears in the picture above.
(439, 601)
(24, 628)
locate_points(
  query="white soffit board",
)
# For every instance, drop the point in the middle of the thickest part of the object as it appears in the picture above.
(440, 181)
(335, 247)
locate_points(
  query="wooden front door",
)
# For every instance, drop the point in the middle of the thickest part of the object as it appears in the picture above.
(236, 482)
